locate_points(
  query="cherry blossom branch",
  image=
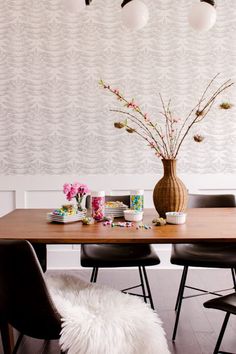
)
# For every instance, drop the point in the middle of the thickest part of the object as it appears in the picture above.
(167, 144)
(142, 126)
(205, 109)
(132, 130)
(136, 108)
(200, 113)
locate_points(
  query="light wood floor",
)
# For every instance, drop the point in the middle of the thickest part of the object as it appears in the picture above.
(198, 327)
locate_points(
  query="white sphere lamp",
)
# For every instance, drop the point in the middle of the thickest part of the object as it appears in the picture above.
(202, 15)
(134, 14)
(74, 6)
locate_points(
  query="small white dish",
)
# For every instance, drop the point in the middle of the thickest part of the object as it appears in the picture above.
(133, 215)
(175, 217)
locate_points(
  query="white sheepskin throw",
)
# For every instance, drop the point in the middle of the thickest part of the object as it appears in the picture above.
(100, 320)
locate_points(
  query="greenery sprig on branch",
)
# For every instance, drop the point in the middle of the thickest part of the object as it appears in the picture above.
(166, 134)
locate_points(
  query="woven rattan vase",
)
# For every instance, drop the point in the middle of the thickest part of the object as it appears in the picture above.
(170, 194)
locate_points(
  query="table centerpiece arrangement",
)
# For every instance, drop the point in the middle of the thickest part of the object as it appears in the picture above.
(78, 191)
(165, 136)
(69, 212)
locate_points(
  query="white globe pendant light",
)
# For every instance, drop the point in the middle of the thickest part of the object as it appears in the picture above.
(202, 15)
(74, 6)
(134, 14)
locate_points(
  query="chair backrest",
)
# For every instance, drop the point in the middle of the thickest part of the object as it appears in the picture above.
(211, 201)
(24, 299)
(122, 198)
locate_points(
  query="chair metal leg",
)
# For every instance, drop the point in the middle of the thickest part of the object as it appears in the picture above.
(94, 275)
(41, 252)
(180, 288)
(18, 342)
(142, 284)
(7, 337)
(233, 271)
(180, 295)
(222, 331)
(148, 288)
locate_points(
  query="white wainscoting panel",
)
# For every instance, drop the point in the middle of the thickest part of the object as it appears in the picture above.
(44, 199)
(7, 201)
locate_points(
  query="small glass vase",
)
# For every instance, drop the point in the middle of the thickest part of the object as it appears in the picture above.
(79, 202)
(79, 207)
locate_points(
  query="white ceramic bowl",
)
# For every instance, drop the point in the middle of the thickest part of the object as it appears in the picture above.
(175, 217)
(133, 215)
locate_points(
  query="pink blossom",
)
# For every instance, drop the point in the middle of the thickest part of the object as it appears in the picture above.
(69, 196)
(152, 144)
(76, 185)
(83, 189)
(132, 105)
(73, 191)
(176, 119)
(66, 188)
(116, 92)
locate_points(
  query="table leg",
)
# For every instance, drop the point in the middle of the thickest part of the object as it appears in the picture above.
(7, 337)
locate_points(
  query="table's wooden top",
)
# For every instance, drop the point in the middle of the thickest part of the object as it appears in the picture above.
(204, 225)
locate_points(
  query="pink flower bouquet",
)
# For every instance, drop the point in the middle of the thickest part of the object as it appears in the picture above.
(76, 190)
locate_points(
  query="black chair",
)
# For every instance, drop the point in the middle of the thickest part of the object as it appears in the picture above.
(203, 254)
(227, 304)
(25, 303)
(41, 253)
(122, 255)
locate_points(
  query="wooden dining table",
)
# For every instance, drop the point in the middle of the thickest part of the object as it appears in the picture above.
(202, 225)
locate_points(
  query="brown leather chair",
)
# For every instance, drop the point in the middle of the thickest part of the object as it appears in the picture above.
(227, 304)
(25, 303)
(122, 255)
(203, 254)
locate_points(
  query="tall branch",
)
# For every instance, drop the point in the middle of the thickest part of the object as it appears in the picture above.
(208, 105)
(168, 144)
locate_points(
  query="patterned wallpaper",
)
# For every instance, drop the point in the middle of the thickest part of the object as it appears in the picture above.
(55, 119)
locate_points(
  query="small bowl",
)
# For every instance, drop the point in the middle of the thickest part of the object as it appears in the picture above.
(133, 215)
(175, 217)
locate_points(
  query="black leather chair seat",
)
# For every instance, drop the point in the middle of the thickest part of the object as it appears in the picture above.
(225, 303)
(114, 255)
(204, 255)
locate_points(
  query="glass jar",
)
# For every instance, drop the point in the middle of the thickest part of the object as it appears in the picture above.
(137, 200)
(98, 205)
